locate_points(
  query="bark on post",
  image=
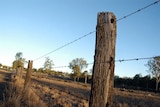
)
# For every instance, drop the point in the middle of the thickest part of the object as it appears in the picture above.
(28, 74)
(103, 68)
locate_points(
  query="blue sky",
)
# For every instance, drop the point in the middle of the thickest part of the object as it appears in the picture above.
(36, 27)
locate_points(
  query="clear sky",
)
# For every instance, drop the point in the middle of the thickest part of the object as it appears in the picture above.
(36, 27)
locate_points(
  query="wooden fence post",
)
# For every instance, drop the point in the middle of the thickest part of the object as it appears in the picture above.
(103, 68)
(19, 72)
(28, 74)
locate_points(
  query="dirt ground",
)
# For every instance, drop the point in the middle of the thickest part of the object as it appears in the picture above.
(62, 93)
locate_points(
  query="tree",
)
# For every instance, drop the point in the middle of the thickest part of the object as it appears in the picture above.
(1, 65)
(40, 70)
(5, 67)
(19, 55)
(34, 69)
(77, 65)
(76, 72)
(48, 64)
(136, 79)
(146, 80)
(18, 64)
(154, 69)
(19, 61)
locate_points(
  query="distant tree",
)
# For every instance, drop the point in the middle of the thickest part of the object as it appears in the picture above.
(19, 60)
(116, 77)
(137, 76)
(59, 73)
(40, 70)
(1, 65)
(146, 80)
(48, 64)
(5, 67)
(34, 69)
(19, 55)
(76, 72)
(77, 65)
(52, 72)
(154, 69)
(136, 79)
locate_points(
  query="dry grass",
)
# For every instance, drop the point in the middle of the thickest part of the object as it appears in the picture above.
(132, 98)
(58, 98)
(17, 96)
(78, 94)
(12, 94)
(44, 92)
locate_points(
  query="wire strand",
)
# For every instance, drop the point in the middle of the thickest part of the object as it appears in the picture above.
(64, 45)
(134, 59)
(120, 60)
(156, 2)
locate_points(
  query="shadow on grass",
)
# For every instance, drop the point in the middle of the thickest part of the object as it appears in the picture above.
(77, 92)
(3, 83)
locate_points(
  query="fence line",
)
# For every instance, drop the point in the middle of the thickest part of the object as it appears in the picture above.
(156, 2)
(120, 60)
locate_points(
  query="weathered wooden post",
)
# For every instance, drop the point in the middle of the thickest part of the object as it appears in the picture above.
(28, 74)
(103, 68)
(19, 72)
(85, 77)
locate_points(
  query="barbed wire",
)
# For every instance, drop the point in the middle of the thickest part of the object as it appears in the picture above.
(156, 2)
(120, 60)
(134, 59)
(94, 31)
(64, 45)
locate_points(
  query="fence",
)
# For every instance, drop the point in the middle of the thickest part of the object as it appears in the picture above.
(107, 64)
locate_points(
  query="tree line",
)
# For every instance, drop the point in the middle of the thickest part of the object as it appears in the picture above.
(138, 82)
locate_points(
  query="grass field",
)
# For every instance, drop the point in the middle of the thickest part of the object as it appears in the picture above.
(44, 92)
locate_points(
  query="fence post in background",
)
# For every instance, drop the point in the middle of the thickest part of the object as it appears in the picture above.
(103, 68)
(19, 72)
(28, 74)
